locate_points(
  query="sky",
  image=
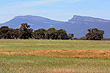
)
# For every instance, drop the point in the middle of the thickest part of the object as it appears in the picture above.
(61, 10)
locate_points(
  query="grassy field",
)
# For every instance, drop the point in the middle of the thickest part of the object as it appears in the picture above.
(53, 44)
(54, 56)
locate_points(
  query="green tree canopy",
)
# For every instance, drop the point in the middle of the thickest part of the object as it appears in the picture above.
(25, 32)
(94, 34)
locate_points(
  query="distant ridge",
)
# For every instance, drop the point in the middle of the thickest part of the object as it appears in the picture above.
(77, 25)
(87, 19)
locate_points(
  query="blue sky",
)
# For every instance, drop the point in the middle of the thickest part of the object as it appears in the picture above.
(61, 10)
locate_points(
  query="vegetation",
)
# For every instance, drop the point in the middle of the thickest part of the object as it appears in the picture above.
(25, 32)
(101, 54)
(94, 34)
(33, 64)
(54, 56)
(52, 44)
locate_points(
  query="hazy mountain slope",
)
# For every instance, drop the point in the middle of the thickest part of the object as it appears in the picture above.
(35, 22)
(82, 23)
(77, 25)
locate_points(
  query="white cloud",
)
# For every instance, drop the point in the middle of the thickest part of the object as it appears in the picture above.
(75, 0)
(71, 1)
(27, 4)
(35, 3)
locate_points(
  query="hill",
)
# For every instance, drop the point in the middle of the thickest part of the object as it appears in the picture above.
(77, 25)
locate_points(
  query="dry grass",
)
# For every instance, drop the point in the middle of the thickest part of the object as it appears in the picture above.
(54, 56)
(80, 53)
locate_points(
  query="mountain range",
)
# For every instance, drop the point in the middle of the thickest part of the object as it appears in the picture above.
(77, 25)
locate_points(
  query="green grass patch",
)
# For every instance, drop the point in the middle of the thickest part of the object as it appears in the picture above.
(12, 64)
(53, 44)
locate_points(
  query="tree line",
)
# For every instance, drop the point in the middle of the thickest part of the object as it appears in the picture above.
(25, 32)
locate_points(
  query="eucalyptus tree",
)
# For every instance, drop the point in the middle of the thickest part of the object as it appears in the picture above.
(94, 34)
(4, 31)
(62, 34)
(39, 34)
(25, 32)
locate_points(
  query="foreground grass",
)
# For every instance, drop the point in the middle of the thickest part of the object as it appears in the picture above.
(76, 53)
(33, 64)
(53, 44)
(54, 56)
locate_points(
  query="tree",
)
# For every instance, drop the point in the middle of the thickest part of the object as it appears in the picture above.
(39, 34)
(3, 32)
(62, 34)
(94, 34)
(50, 33)
(25, 32)
(70, 36)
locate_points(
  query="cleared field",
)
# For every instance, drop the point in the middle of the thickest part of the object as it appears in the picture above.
(54, 56)
(33, 64)
(53, 44)
(82, 53)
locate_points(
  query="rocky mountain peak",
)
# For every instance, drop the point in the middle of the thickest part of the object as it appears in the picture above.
(86, 19)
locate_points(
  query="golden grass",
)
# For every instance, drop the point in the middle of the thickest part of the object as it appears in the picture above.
(76, 53)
